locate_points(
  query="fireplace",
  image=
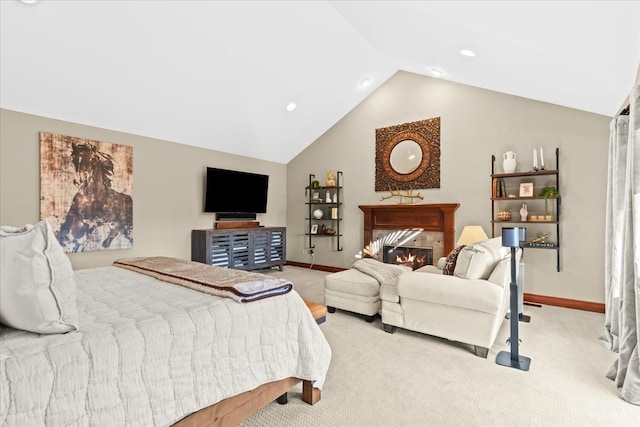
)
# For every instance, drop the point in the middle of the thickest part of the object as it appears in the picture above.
(410, 256)
(423, 226)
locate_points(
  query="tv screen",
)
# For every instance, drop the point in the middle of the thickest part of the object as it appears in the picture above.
(235, 191)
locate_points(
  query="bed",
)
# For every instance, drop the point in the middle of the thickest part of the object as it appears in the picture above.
(149, 352)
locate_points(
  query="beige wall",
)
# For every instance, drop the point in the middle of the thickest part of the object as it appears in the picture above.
(168, 185)
(475, 124)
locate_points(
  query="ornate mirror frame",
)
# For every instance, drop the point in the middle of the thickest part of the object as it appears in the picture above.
(426, 133)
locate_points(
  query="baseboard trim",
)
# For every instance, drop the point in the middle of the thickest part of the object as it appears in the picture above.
(315, 266)
(530, 298)
(564, 302)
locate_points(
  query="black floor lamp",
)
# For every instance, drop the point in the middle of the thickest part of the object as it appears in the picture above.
(513, 237)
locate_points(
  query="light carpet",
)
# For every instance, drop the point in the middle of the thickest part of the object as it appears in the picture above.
(412, 379)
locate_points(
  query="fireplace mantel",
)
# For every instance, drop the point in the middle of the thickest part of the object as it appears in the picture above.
(429, 217)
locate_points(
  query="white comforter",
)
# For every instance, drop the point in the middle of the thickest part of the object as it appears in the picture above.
(150, 353)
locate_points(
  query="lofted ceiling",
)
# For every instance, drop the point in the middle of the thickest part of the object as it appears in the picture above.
(219, 74)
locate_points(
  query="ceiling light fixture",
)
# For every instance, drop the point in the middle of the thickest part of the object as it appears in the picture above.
(28, 1)
(436, 72)
(291, 106)
(364, 82)
(467, 52)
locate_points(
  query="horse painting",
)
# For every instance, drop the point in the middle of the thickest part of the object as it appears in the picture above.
(98, 217)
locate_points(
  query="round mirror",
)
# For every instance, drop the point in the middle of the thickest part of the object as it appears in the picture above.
(406, 156)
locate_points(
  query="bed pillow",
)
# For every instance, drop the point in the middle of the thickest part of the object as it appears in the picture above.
(450, 261)
(37, 283)
(477, 261)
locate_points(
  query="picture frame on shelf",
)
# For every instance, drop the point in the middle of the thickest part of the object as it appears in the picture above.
(526, 189)
(314, 229)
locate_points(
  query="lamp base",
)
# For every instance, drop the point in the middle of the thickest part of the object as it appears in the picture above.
(504, 359)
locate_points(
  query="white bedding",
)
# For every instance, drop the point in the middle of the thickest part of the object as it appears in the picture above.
(151, 353)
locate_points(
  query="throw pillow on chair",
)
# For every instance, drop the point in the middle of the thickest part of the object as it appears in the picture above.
(450, 262)
(477, 261)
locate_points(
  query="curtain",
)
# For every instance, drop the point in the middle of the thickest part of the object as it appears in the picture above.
(622, 249)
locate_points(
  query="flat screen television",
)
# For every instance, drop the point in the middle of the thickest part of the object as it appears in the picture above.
(231, 191)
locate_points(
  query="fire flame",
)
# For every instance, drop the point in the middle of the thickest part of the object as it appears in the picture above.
(411, 260)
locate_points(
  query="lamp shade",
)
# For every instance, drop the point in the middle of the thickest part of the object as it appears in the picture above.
(513, 237)
(471, 234)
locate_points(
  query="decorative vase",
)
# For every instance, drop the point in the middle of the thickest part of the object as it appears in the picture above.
(523, 212)
(328, 197)
(317, 214)
(509, 162)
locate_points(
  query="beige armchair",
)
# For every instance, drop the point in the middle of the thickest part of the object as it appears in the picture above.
(468, 306)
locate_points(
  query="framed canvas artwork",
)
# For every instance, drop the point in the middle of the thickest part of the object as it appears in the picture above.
(86, 192)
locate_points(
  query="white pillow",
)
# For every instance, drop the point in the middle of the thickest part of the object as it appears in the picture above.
(37, 284)
(501, 274)
(477, 261)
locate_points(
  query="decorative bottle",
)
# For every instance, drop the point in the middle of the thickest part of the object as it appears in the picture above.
(328, 198)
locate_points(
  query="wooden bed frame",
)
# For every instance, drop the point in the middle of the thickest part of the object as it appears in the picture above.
(233, 410)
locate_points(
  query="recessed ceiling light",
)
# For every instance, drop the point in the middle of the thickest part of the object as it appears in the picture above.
(467, 52)
(436, 72)
(291, 106)
(364, 82)
(28, 1)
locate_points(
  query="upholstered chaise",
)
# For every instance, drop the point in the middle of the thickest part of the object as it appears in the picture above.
(468, 306)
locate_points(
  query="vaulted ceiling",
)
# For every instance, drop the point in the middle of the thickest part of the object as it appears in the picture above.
(219, 74)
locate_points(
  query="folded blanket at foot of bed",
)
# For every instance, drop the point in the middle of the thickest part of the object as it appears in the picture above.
(240, 285)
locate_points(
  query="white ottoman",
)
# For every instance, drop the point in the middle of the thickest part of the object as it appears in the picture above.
(354, 291)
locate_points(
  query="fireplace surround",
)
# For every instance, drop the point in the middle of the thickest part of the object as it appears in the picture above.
(435, 220)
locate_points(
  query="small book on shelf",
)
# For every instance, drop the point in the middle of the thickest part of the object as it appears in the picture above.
(499, 189)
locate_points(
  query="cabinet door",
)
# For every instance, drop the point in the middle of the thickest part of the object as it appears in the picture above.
(220, 245)
(260, 244)
(277, 247)
(240, 253)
